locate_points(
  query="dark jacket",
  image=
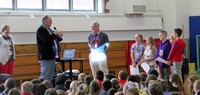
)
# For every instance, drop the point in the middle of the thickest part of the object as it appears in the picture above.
(45, 42)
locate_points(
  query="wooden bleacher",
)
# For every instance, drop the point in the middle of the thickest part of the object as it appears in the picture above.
(27, 67)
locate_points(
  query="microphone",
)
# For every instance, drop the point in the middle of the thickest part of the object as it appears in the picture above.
(58, 33)
(55, 31)
(54, 28)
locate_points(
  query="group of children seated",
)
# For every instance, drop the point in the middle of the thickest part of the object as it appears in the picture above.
(124, 84)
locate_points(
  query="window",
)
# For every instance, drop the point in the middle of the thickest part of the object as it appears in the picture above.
(57, 4)
(6, 4)
(49, 5)
(29, 4)
(83, 4)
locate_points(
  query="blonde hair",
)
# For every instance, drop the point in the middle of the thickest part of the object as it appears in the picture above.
(140, 36)
(73, 87)
(151, 41)
(196, 84)
(60, 92)
(83, 87)
(163, 32)
(133, 91)
(129, 85)
(80, 92)
(81, 76)
(26, 87)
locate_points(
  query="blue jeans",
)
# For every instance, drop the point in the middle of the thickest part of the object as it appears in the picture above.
(47, 69)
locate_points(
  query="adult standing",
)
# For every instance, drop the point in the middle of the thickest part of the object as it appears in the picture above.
(176, 53)
(48, 47)
(98, 43)
(7, 53)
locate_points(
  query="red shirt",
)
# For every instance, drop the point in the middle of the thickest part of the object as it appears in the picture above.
(26, 94)
(122, 82)
(176, 51)
(100, 82)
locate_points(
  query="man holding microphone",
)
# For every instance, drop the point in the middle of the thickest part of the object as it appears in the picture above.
(48, 48)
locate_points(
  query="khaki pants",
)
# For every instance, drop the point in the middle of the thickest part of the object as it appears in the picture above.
(176, 68)
(98, 61)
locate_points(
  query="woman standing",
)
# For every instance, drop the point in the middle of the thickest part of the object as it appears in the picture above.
(7, 54)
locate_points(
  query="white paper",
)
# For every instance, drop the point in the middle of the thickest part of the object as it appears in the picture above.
(161, 60)
(134, 70)
(145, 67)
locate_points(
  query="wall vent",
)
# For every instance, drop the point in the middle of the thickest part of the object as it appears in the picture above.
(139, 8)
